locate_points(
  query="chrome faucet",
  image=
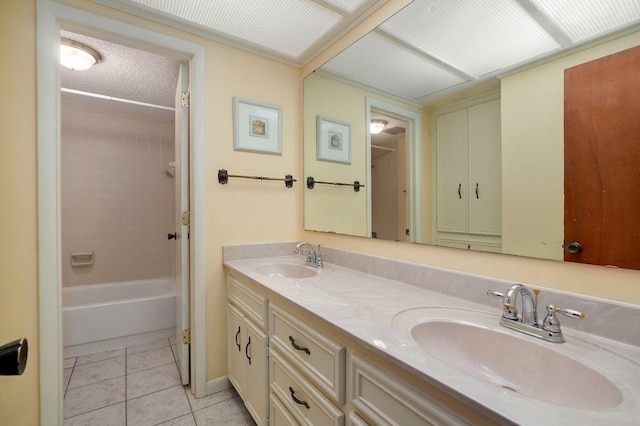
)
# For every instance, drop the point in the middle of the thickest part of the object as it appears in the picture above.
(529, 315)
(527, 321)
(314, 258)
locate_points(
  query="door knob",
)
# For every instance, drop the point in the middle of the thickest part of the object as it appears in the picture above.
(574, 248)
(173, 236)
(13, 357)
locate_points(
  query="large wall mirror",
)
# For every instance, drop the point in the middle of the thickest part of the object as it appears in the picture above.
(470, 97)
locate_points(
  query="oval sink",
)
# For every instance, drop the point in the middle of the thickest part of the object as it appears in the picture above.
(517, 364)
(285, 270)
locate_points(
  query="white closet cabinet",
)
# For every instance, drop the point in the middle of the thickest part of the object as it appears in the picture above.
(469, 177)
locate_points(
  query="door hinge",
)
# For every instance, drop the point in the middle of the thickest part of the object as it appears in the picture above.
(186, 218)
(185, 99)
(186, 336)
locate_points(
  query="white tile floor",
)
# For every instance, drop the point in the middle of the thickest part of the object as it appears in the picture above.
(140, 385)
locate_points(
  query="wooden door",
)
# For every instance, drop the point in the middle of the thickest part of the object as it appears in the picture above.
(602, 160)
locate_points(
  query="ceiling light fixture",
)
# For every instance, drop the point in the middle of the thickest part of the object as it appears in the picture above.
(376, 126)
(77, 56)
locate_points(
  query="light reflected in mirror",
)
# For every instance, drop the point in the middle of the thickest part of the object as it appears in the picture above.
(464, 91)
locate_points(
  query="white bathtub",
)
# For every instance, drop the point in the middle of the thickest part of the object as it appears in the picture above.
(100, 317)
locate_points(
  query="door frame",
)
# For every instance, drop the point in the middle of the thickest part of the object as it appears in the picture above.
(413, 161)
(51, 17)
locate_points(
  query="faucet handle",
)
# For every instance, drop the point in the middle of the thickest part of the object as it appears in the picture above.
(319, 255)
(551, 322)
(571, 313)
(495, 294)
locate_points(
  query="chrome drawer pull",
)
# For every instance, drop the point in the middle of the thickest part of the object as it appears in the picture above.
(298, 401)
(298, 347)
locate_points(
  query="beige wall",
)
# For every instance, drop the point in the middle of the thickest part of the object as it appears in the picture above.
(19, 401)
(533, 153)
(339, 209)
(117, 199)
(329, 208)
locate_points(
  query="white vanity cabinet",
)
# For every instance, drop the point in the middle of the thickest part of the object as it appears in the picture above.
(307, 369)
(384, 400)
(247, 348)
(315, 375)
(469, 189)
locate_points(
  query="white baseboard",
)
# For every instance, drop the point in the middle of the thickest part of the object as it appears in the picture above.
(217, 385)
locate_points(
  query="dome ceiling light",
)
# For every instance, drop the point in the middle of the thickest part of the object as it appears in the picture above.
(77, 56)
(376, 126)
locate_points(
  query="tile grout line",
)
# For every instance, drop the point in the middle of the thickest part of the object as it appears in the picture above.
(126, 385)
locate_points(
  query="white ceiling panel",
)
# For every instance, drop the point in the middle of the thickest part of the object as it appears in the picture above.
(289, 27)
(347, 5)
(377, 62)
(476, 37)
(583, 19)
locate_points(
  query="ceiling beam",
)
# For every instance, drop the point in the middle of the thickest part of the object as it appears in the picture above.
(426, 56)
(548, 25)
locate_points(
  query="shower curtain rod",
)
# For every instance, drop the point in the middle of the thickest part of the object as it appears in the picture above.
(111, 98)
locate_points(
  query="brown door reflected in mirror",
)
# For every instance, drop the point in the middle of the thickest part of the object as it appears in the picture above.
(602, 160)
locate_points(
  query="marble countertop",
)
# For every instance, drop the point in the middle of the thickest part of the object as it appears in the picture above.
(376, 312)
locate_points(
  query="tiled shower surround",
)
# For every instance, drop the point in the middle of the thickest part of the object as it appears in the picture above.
(117, 198)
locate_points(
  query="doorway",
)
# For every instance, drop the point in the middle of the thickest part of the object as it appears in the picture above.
(389, 213)
(393, 173)
(118, 185)
(51, 17)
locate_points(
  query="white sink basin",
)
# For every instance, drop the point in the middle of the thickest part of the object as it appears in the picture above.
(524, 365)
(285, 270)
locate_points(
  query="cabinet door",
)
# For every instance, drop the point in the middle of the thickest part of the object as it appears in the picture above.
(485, 182)
(236, 361)
(452, 155)
(257, 386)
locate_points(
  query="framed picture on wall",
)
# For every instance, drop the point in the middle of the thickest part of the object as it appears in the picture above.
(333, 140)
(257, 127)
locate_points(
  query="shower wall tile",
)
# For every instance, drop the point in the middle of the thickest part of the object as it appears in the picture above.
(117, 199)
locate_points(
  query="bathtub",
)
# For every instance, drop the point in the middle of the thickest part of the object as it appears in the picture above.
(101, 317)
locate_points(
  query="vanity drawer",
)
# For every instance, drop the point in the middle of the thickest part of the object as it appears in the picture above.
(279, 413)
(384, 400)
(300, 398)
(251, 303)
(314, 354)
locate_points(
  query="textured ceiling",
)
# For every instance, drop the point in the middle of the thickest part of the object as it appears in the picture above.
(124, 72)
(429, 48)
(435, 47)
(289, 30)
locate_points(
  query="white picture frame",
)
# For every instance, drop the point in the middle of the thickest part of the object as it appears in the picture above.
(257, 127)
(333, 140)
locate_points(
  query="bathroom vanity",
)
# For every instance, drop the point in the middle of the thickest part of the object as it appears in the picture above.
(370, 340)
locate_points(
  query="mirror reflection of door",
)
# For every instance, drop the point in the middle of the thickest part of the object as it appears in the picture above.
(602, 161)
(388, 180)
